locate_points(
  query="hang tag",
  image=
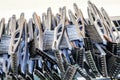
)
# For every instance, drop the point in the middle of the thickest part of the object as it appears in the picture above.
(72, 34)
(48, 40)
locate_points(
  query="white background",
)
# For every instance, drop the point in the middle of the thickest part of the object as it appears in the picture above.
(10, 7)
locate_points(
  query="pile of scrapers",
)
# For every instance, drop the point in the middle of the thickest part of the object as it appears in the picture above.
(60, 47)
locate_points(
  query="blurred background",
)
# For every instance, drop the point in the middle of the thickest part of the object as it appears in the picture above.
(10, 7)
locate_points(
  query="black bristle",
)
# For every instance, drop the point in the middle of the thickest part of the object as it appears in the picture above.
(70, 73)
(93, 34)
(14, 63)
(32, 49)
